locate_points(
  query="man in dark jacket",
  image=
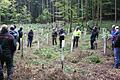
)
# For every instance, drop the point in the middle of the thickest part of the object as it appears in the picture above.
(54, 37)
(94, 35)
(20, 36)
(8, 48)
(61, 36)
(30, 38)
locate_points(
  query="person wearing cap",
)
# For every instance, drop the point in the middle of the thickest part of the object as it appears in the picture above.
(94, 35)
(112, 34)
(8, 48)
(76, 36)
(117, 47)
(54, 37)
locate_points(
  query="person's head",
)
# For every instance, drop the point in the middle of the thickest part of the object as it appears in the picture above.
(77, 28)
(113, 26)
(21, 28)
(61, 29)
(117, 28)
(31, 30)
(11, 28)
(14, 26)
(53, 29)
(95, 27)
(4, 29)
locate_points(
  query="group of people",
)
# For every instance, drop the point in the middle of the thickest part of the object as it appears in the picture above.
(115, 36)
(76, 35)
(55, 33)
(62, 33)
(9, 37)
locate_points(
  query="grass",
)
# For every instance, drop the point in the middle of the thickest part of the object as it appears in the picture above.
(52, 53)
(48, 53)
(94, 58)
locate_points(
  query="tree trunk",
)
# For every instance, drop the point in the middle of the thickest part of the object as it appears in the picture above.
(71, 14)
(86, 12)
(93, 11)
(82, 8)
(78, 7)
(100, 11)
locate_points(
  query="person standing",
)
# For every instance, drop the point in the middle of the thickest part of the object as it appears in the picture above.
(54, 37)
(76, 35)
(61, 36)
(94, 35)
(117, 47)
(8, 49)
(20, 36)
(12, 32)
(112, 34)
(16, 32)
(30, 38)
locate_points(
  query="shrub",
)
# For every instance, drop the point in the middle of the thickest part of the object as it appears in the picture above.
(93, 59)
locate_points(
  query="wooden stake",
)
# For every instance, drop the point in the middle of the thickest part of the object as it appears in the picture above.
(47, 38)
(72, 43)
(22, 49)
(62, 53)
(104, 40)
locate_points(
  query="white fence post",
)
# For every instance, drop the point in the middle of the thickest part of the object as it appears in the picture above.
(62, 54)
(104, 40)
(72, 43)
(47, 38)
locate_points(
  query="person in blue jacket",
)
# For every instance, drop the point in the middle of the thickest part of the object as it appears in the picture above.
(112, 34)
(117, 47)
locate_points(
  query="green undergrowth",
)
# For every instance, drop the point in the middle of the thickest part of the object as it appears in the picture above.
(94, 58)
(47, 53)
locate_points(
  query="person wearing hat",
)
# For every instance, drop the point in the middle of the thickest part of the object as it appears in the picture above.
(117, 47)
(76, 35)
(54, 37)
(7, 50)
(112, 34)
